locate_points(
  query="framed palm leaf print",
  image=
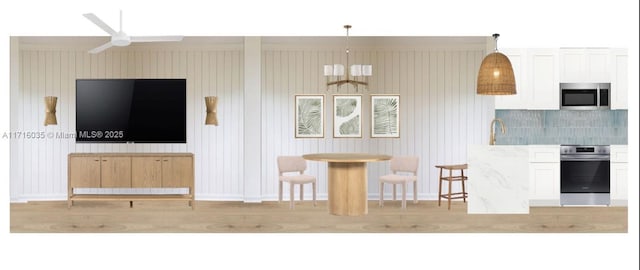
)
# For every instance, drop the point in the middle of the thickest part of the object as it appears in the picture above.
(385, 116)
(347, 116)
(309, 121)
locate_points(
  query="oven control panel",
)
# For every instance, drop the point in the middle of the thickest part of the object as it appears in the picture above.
(584, 149)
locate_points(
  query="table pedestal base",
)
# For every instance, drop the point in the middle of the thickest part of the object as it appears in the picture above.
(348, 188)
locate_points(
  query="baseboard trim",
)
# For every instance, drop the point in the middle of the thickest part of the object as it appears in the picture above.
(544, 203)
(219, 197)
(619, 203)
(210, 197)
(38, 197)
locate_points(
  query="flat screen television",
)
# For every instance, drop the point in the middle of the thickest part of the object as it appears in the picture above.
(131, 111)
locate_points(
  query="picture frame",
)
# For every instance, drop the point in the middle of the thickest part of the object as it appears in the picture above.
(309, 116)
(385, 116)
(347, 116)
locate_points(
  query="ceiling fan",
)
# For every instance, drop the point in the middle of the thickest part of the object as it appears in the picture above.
(120, 38)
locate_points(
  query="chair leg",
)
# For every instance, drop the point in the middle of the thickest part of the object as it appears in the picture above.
(291, 188)
(464, 192)
(301, 192)
(279, 191)
(415, 191)
(394, 191)
(313, 186)
(380, 202)
(404, 195)
(440, 187)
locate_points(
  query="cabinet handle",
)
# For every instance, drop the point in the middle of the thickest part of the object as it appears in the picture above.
(166, 160)
(105, 160)
(157, 160)
(96, 160)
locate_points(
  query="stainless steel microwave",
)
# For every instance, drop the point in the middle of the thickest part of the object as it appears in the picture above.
(585, 96)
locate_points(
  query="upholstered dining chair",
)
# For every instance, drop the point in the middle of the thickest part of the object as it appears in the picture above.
(404, 169)
(292, 164)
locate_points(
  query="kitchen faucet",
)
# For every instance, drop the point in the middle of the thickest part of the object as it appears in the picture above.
(492, 137)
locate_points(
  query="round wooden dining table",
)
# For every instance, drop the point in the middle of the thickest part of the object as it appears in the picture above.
(347, 174)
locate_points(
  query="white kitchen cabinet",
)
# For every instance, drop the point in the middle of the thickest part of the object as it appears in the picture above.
(618, 176)
(543, 79)
(537, 80)
(544, 175)
(519, 101)
(584, 65)
(619, 79)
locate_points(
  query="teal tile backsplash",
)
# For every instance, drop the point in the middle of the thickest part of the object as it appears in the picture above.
(563, 127)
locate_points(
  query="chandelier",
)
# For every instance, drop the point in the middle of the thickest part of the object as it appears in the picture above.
(334, 73)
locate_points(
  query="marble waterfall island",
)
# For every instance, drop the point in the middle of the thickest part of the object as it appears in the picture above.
(498, 180)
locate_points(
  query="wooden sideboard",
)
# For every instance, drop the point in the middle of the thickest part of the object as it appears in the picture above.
(130, 170)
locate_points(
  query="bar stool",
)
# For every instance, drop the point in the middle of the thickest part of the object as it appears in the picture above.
(452, 178)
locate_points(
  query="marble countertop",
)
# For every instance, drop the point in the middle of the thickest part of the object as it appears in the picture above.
(498, 180)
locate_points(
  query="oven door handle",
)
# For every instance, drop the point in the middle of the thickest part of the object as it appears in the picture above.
(584, 159)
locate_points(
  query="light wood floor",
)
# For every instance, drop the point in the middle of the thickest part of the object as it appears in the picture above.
(238, 217)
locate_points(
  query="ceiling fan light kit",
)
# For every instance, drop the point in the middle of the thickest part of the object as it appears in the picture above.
(120, 38)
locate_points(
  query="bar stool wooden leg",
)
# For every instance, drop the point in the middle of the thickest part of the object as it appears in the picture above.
(464, 192)
(440, 187)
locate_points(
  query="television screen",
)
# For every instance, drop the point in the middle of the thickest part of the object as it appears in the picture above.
(131, 110)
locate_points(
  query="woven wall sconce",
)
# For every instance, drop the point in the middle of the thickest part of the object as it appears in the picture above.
(496, 74)
(50, 110)
(212, 111)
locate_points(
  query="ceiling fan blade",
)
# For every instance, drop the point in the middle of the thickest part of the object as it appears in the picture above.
(156, 38)
(93, 18)
(101, 48)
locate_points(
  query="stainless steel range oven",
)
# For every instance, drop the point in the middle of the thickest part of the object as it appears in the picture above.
(584, 175)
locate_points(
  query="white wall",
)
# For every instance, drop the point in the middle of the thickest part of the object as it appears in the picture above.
(38, 167)
(440, 112)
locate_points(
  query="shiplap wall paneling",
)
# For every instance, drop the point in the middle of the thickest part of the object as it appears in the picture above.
(440, 113)
(16, 75)
(39, 167)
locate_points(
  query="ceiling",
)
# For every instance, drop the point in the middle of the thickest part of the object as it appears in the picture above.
(319, 41)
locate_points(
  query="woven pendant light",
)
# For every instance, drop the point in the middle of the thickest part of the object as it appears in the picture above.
(496, 74)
